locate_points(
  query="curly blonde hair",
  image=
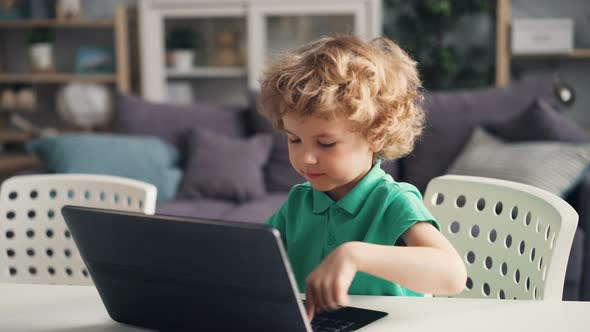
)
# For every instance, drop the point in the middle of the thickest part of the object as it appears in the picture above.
(375, 84)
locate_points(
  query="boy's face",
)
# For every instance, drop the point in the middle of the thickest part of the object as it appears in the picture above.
(328, 153)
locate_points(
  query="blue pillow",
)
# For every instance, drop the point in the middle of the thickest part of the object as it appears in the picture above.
(142, 158)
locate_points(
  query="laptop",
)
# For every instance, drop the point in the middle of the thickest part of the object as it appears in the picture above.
(178, 274)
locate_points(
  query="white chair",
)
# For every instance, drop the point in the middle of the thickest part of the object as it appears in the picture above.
(36, 246)
(515, 239)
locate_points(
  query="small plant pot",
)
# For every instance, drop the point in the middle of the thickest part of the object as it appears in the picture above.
(183, 60)
(41, 56)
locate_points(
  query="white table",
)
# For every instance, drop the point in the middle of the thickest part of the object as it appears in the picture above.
(79, 308)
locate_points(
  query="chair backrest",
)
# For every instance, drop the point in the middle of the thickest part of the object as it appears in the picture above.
(515, 239)
(35, 244)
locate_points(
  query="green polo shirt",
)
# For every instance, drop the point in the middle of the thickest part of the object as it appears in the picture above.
(377, 210)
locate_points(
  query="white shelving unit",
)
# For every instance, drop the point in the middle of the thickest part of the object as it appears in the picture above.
(208, 72)
(504, 55)
(263, 28)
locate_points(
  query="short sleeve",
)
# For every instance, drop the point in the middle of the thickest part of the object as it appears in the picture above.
(406, 209)
(277, 221)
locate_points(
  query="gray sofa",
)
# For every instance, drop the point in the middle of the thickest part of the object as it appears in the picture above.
(253, 197)
(233, 177)
(512, 113)
(516, 113)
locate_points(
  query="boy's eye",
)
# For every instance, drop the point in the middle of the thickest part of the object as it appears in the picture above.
(327, 145)
(294, 140)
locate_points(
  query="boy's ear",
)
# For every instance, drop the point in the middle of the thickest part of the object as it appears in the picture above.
(376, 146)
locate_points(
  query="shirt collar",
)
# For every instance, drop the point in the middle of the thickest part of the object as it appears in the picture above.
(353, 201)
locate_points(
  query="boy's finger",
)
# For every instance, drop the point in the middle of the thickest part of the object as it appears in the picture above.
(341, 297)
(343, 300)
(309, 304)
(331, 298)
(310, 310)
(317, 296)
(327, 297)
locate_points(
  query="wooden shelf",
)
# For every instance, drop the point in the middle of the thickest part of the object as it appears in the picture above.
(11, 163)
(502, 51)
(582, 53)
(119, 24)
(49, 23)
(504, 55)
(57, 78)
(208, 72)
(14, 137)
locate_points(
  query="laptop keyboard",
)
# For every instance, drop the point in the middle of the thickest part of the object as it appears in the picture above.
(344, 319)
(324, 324)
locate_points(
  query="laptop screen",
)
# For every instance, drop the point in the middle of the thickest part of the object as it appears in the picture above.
(174, 273)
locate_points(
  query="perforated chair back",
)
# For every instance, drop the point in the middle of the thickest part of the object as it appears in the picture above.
(36, 246)
(515, 239)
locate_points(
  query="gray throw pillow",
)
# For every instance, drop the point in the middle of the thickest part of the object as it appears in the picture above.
(279, 174)
(554, 166)
(223, 167)
(541, 121)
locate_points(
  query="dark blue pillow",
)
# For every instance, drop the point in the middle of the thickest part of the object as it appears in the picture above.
(451, 117)
(141, 158)
(279, 174)
(223, 167)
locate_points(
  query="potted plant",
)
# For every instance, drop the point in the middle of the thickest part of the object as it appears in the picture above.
(41, 49)
(181, 45)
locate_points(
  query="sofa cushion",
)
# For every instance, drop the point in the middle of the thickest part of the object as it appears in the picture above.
(279, 174)
(553, 166)
(452, 116)
(225, 167)
(146, 159)
(201, 208)
(575, 268)
(172, 123)
(257, 211)
(540, 122)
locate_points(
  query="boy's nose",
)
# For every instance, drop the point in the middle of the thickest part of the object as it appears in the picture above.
(309, 158)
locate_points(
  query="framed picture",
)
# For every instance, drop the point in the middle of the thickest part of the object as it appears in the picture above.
(95, 60)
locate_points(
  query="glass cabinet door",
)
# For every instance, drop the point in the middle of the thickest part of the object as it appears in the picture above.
(287, 31)
(213, 69)
(233, 40)
(194, 52)
(276, 28)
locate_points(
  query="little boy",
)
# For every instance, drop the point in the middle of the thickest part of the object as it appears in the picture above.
(346, 105)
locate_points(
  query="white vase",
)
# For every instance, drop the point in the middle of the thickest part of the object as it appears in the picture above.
(41, 55)
(183, 60)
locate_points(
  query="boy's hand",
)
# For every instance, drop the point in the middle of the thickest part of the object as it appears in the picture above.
(327, 285)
